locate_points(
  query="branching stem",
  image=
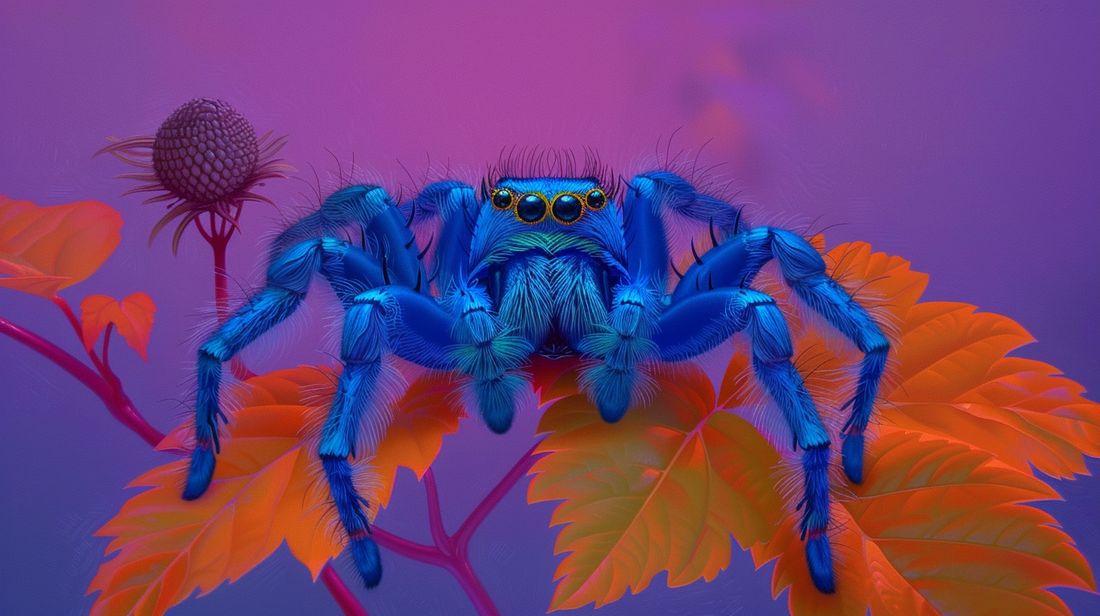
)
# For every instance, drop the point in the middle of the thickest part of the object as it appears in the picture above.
(116, 400)
(451, 552)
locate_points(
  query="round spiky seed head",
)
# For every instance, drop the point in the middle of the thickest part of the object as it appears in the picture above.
(205, 151)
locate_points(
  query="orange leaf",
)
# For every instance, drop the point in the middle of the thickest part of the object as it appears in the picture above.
(132, 317)
(554, 378)
(660, 490)
(936, 527)
(45, 249)
(954, 381)
(949, 379)
(952, 377)
(429, 409)
(268, 487)
(949, 375)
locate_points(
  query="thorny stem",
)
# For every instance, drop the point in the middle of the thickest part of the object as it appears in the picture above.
(116, 400)
(451, 552)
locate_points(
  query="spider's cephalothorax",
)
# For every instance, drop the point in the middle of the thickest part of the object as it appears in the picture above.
(552, 266)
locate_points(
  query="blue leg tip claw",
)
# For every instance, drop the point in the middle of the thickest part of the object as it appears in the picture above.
(368, 561)
(199, 473)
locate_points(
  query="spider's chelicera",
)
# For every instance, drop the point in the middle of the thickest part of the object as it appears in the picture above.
(543, 265)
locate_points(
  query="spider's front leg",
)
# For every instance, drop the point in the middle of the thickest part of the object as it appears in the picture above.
(615, 382)
(362, 282)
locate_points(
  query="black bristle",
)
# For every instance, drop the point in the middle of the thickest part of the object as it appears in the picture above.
(427, 246)
(673, 266)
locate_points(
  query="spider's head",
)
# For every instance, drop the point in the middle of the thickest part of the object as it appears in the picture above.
(536, 200)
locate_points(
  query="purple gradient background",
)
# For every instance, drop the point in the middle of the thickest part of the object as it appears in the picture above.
(962, 136)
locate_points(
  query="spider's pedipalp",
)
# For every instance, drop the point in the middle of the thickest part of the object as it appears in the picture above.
(618, 379)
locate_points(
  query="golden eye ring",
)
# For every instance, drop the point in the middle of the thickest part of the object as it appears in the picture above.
(567, 207)
(531, 208)
(502, 198)
(595, 199)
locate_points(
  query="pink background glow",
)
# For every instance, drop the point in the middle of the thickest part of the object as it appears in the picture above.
(963, 136)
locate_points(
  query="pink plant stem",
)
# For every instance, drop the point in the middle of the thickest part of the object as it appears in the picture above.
(458, 567)
(469, 582)
(419, 552)
(462, 536)
(219, 242)
(116, 401)
(340, 592)
(75, 323)
(435, 516)
(451, 552)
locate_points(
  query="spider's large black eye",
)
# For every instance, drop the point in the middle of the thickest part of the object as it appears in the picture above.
(502, 198)
(595, 199)
(567, 208)
(531, 208)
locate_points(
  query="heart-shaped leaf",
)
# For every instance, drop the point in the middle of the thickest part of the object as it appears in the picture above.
(132, 317)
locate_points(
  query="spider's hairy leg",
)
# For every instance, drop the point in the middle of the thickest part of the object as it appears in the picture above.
(651, 198)
(456, 204)
(727, 311)
(288, 279)
(615, 379)
(389, 318)
(737, 261)
(804, 271)
(644, 230)
(369, 213)
(487, 351)
(361, 351)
